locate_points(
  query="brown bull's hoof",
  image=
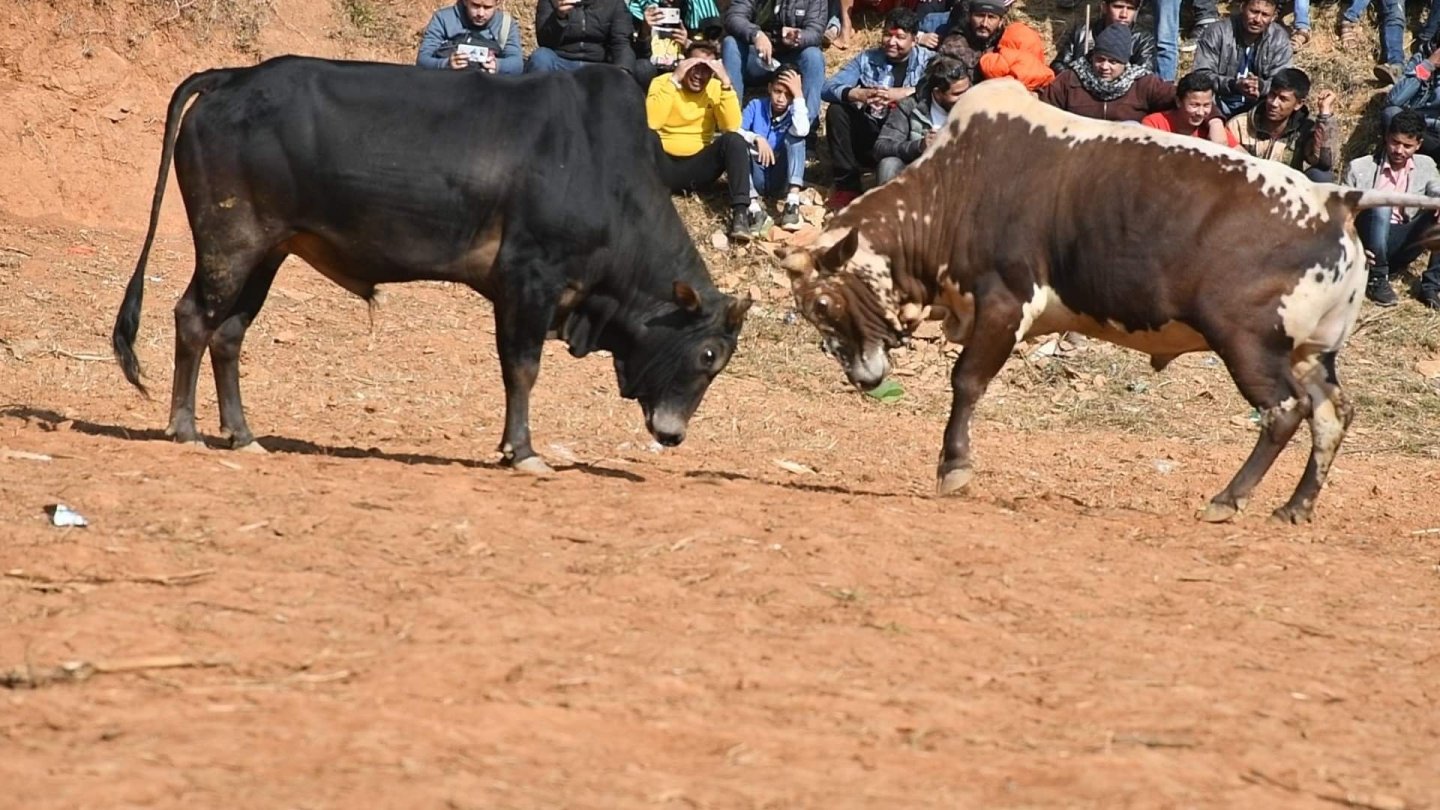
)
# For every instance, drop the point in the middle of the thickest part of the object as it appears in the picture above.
(533, 465)
(1216, 512)
(954, 481)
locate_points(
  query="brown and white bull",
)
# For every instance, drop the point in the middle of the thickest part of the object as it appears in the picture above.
(1023, 220)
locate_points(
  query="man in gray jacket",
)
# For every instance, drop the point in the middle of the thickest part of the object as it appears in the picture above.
(915, 120)
(471, 27)
(1392, 236)
(762, 34)
(1242, 54)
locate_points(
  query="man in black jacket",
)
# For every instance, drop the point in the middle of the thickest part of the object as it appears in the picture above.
(574, 33)
(764, 33)
(1079, 40)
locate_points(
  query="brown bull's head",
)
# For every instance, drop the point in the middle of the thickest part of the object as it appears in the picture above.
(834, 289)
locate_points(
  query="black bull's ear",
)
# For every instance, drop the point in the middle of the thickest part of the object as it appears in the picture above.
(585, 324)
(687, 298)
(735, 313)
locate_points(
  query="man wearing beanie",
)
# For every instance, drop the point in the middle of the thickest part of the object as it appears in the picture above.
(1006, 48)
(1080, 39)
(1106, 86)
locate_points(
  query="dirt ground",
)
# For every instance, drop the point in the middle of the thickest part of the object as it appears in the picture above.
(776, 614)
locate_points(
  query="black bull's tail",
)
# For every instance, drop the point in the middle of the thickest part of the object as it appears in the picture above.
(127, 321)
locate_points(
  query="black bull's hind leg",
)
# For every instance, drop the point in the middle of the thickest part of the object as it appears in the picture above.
(997, 321)
(1265, 378)
(225, 344)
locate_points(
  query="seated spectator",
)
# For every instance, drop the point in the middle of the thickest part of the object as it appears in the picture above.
(479, 25)
(1006, 48)
(1281, 129)
(1419, 90)
(861, 95)
(696, 115)
(1167, 33)
(1394, 237)
(1240, 56)
(1391, 14)
(1079, 39)
(764, 33)
(570, 34)
(1194, 112)
(915, 122)
(1104, 85)
(775, 126)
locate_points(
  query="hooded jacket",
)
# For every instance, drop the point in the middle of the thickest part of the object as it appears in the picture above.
(594, 31)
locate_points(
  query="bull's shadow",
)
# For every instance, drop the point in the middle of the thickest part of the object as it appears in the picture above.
(831, 489)
(50, 420)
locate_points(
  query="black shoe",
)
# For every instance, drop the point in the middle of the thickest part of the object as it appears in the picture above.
(1430, 298)
(1379, 291)
(740, 227)
(1388, 74)
(790, 218)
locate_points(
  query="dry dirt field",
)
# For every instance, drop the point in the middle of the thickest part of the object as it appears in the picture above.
(376, 615)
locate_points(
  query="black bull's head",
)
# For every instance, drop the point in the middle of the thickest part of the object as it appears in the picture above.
(665, 357)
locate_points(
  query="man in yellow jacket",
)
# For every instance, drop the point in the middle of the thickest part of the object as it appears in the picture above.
(696, 114)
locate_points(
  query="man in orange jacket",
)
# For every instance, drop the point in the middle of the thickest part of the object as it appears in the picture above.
(1006, 48)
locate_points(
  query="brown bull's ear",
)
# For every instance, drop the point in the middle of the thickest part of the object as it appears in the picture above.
(687, 298)
(841, 251)
(798, 263)
(735, 313)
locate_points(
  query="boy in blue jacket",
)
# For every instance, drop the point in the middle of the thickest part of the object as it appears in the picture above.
(775, 126)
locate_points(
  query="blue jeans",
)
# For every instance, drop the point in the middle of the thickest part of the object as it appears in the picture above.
(788, 169)
(1392, 27)
(933, 22)
(741, 61)
(544, 59)
(1302, 15)
(1167, 33)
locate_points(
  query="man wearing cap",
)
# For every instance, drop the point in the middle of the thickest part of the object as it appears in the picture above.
(1079, 39)
(1106, 86)
(1006, 48)
(861, 95)
(1242, 54)
(1281, 129)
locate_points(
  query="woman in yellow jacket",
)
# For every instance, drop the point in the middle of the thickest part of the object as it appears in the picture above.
(696, 114)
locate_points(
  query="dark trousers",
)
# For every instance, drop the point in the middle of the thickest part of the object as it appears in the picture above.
(851, 135)
(728, 154)
(1395, 244)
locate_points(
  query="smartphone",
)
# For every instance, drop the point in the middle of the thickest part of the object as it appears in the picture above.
(474, 53)
(669, 17)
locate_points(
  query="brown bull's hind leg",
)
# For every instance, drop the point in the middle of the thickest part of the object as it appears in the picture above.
(997, 319)
(192, 331)
(1264, 377)
(1330, 415)
(225, 344)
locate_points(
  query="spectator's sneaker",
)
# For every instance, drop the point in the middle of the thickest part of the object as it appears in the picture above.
(740, 227)
(1389, 74)
(840, 198)
(1379, 291)
(790, 217)
(1430, 299)
(760, 224)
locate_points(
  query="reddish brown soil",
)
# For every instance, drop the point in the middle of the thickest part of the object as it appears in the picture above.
(393, 621)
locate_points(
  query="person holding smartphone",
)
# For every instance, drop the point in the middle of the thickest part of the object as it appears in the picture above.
(761, 34)
(472, 34)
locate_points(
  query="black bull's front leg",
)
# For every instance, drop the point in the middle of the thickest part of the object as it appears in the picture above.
(997, 319)
(522, 318)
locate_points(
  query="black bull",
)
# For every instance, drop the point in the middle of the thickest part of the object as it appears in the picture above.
(538, 192)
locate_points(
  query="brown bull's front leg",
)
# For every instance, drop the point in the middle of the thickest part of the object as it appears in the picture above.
(997, 318)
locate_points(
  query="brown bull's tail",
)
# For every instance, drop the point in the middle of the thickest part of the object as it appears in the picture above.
(127, 322)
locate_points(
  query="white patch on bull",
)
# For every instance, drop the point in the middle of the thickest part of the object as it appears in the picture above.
(1046, 313)
(1300, 199)
(1320, 312)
